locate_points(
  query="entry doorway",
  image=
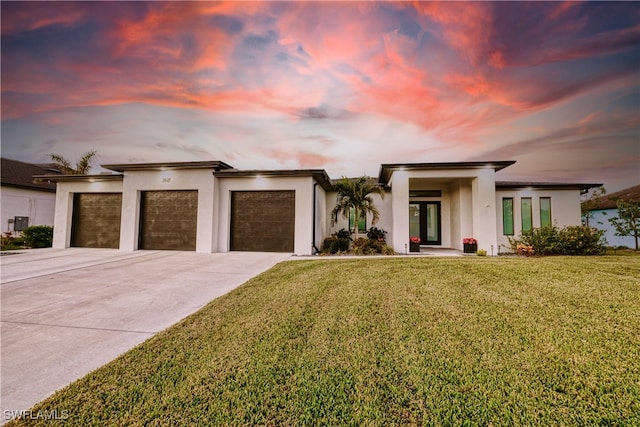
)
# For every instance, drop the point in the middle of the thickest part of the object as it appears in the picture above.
(425, 222)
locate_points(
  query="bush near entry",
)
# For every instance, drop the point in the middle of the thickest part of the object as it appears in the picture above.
(551, 240)
(38, 236)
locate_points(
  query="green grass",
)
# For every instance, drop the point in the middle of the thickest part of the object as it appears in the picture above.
(400, 341)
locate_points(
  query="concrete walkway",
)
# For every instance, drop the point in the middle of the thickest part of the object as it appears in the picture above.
(67, 312)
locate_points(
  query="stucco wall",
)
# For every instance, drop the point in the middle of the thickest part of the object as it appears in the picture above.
(64, 205)
(303, 186)
(384, 207)
(565, 210)
(39, 206)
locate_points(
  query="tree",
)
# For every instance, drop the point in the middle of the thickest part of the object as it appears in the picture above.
(82, 166)
(628, 221)
(591, 200)
(356, 194)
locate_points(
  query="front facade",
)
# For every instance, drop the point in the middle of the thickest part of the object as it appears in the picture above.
(212, 207)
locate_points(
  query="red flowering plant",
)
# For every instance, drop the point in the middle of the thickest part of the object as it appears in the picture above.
(469, 241)
(415, 239)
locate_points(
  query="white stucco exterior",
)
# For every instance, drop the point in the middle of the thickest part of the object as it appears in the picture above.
(38, 206)
(466, 195)
(64, 205)
(304, 206)
(565, 209)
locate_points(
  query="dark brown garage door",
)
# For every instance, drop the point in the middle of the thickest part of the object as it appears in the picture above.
(168, 220)
(263, 221)
(96, 220)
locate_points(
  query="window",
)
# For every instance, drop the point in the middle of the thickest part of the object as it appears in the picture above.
(507, 216)
(527, 216)
(362, 223)
(545, 211)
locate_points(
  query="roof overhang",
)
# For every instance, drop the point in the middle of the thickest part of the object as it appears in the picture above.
(319, 175)
(545, 185)
(215, 165)
(386, 170)
(77, 178)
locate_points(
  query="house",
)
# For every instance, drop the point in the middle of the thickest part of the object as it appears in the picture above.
(24, 202)
(606, 208)
(210, 206)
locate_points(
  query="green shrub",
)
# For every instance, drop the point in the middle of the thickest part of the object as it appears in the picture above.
(38, 236)
(335, 244)
(365, 246)
(377, 234)
(551, 240)
(481, 252)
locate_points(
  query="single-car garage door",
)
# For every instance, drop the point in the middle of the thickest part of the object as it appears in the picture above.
(96, 220)
(168, 220)
(263, 221)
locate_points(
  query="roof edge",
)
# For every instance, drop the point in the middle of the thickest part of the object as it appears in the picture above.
(320, 175)
(386, 169)
(213, 164)
(77, 178)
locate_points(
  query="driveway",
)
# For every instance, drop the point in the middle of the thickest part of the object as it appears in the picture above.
(66, 312)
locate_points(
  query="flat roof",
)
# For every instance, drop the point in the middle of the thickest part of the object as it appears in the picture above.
(386, 169)
(320, 175)
(553, 185)
(215, 164)
(78, 178)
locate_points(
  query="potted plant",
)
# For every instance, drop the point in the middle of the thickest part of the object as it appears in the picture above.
(414, 244)
(470, 245)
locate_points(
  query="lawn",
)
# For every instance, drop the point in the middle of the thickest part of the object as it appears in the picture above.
(393, 341)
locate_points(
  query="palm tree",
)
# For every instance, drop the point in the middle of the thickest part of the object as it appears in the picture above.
(82, 166)
(355, 194)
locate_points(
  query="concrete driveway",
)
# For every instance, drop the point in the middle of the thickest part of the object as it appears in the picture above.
(68, 312)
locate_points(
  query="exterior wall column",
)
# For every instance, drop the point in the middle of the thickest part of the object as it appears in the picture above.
(483, 191)
(130, 218)
(400, 211)
(62, 219)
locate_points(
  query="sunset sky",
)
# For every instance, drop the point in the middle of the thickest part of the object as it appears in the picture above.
(338, 86)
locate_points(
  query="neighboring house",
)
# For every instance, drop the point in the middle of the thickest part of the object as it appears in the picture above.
(212, 207)
(24, 202)
(606, 208)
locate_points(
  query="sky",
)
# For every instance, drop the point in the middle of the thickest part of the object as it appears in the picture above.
(340, 86)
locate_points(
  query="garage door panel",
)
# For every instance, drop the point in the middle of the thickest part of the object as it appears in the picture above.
(96, 220)
(263, 221)
(168, 220)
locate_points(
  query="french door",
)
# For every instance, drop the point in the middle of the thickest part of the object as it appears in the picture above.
(425, 222)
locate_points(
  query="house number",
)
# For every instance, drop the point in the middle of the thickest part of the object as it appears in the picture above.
(164, 180)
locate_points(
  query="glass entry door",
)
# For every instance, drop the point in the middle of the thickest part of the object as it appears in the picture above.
(424, 222)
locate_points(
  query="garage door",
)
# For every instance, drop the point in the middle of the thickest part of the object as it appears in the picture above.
(263, 221)
(168, 220)
(96, 220)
